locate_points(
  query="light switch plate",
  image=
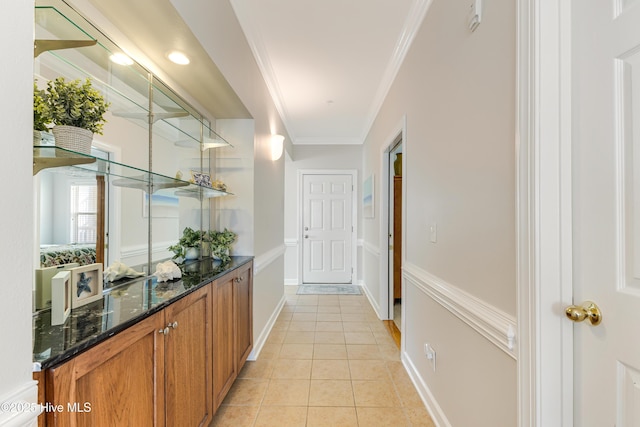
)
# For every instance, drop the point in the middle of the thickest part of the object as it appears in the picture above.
(475, 14)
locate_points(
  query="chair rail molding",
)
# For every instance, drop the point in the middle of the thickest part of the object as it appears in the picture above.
(262, 261)
(492, 323)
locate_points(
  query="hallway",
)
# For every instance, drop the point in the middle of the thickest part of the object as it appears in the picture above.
(329, 361)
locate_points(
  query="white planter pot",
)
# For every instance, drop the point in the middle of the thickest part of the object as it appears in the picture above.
(73, 138)
(192, 253)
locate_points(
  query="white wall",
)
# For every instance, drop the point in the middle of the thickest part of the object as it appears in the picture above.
(457, 91)
(16, 220)
(216, 26)
(343, 157)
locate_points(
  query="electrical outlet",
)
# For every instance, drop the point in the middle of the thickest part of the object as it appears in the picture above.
(433, 232)
(430, 353)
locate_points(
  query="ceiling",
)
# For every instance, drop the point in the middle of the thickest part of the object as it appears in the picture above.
(328, 64)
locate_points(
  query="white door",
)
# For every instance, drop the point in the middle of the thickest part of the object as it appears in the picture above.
(327, 228)
(606, 210)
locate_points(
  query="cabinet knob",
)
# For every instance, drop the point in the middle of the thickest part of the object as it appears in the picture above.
(237, 280)
(172, 325)
(164, 331)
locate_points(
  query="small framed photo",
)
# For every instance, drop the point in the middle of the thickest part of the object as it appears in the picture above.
(60, 297)
(86, 284)
(199, 178)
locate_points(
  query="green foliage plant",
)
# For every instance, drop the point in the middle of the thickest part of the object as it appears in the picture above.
(76, 103)
(41, 110)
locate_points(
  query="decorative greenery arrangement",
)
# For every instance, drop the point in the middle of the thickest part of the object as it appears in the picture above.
(41, 110)
(190, 239)
(220, 241)
(76, 104)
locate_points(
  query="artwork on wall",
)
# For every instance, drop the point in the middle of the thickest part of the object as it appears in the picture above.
(368, 197)
(60, 297)
(162, 206)
(86, 284)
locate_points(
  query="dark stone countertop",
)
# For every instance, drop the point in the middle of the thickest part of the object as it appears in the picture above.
(124, 304)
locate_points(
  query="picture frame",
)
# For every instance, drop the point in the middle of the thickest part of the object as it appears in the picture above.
(44, 276)
(60, 297)
(201, 178)
(368, 194)
(86, 284)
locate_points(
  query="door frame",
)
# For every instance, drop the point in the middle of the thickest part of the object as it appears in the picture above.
(543, 211)
(354, 216)
(385, 283)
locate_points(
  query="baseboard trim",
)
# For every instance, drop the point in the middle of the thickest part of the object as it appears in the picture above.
(436, 412)
(264, 334)
(492, 323)
(372, 300)
(25, 402)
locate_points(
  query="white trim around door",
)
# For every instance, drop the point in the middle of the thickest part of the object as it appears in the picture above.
(544, 254)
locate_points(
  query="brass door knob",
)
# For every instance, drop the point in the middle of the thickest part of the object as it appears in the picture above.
(586, 310)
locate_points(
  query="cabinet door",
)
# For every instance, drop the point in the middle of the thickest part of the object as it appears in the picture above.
(117, 382)
(243, 289)
(188, 378)
(224, 362)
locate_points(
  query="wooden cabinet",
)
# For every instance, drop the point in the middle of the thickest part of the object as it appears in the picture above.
(121, 380)
(157, 372)
(233, 328)
(188, 360)
(397, 237)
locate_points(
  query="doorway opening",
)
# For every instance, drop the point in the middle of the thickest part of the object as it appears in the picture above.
(394, 175)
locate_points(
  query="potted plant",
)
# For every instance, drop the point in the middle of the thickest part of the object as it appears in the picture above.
(77, 112)
(41, 113)
(188, 247)
(220, 242)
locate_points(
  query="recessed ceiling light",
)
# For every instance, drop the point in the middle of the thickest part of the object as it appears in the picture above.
(178, 58)
(121, 59)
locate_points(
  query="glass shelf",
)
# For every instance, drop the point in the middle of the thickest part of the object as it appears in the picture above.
(127, 87)
(84, 165)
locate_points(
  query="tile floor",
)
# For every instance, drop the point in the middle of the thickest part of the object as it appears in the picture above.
(329, 361)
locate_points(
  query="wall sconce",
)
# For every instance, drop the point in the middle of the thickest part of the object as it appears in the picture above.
(277, 146)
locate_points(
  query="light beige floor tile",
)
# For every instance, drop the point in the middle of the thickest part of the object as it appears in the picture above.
(409, 397)
(331, 393)
(299, 337)
(276, 337)
(389, 352)
(300, 309)
(356, 327)
(356, 309)
(353, 317)
(281, 325)
(282, 416)
(270, 351)
(296, 351)
(377, 326)
(328, 309)
(329, 326)
(329, 317)
(419, 417)
(381, 417)
(375, 394)
(307, 299)
(398, 372)
(328, 300)
(292, 369)
(303, 317)
(369, 370)
(235, 416)
(287, 393)
(329, 351)
(363, 351)
(329, 337)
(285, 316)
(330, 370)
(258, 369)
(383, 338)
(359, 338)
(350, 300)
(331, 417)
(302, 326)
(246, 392)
